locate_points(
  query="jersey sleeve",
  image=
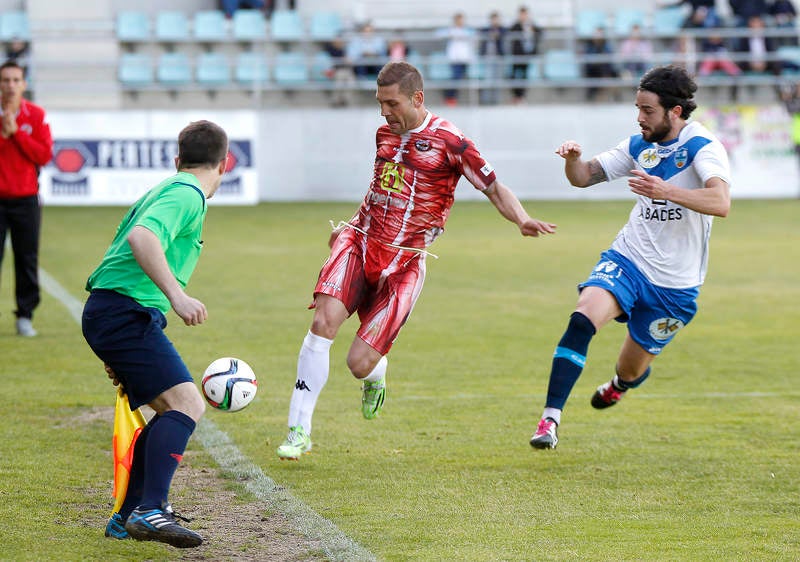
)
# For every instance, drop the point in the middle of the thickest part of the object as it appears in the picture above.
(712, 162)
(617, 162)
(175, 209)
(475, 168)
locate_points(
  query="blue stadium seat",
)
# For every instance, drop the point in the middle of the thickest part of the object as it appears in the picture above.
(626, 18)
(14, 25)
(534, 71)
(561, 65)
(174, 69)
(324, 26)
(321, 63)
(290, 68)
(135, 70)
(286, 25)
(439, 67)
(249, 25)
(213, 69)
(668, 21)
(133, 27)
(251, 68)
(210, 26)
(587, 22)
(172, 26)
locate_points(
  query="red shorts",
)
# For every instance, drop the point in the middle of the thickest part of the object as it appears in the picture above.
(380, 282)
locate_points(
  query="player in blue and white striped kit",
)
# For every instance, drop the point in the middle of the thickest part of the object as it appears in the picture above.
(651, 275)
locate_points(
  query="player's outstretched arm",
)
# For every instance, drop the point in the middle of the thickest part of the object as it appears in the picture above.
(147, 250)
(579, 172)
(510, 207)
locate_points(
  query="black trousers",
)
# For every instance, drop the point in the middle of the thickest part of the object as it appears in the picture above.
(23, 218)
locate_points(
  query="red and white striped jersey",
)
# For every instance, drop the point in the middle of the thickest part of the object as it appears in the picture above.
(414, 182)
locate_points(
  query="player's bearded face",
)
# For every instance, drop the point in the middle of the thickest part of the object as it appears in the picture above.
(398, 109)
(656, 132)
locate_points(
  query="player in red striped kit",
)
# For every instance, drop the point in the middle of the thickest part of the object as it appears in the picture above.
(377, 262)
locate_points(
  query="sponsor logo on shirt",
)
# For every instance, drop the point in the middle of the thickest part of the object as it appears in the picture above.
(649, 158)
(422, 145)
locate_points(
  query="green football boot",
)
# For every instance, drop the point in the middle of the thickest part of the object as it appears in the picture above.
(372, 396)
(297, 443)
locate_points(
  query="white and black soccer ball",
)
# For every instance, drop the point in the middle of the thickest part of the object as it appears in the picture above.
(229, 384)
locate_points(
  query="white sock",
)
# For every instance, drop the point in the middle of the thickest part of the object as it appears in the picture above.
(378, 372)
(313, 366)
(552, 413)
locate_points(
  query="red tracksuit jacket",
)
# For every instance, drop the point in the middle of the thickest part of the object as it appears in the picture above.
(21, 155)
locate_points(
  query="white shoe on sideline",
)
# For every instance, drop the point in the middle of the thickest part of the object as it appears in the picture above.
(25, 328)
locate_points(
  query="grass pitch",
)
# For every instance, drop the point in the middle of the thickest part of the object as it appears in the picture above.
(700, 463)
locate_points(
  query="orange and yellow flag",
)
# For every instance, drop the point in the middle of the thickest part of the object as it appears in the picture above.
(127, 427)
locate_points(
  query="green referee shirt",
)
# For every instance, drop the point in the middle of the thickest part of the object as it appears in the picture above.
(174, 211)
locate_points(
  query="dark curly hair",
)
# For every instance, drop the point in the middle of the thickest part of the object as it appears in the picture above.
(673, 86)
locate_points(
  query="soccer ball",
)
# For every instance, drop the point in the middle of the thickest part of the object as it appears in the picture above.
(229, 384)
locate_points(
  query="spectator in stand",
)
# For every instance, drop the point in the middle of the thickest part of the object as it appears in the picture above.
(367, 52)
(635, 53)
(758, 49)
(398, 48)
(271, 6)
(341, 72)
(702, 11)
(460, 50)
(492, 51)
(784, 15)
(716, 57)
(743, 10)
(790, 96)
(598, 52)
(19, 51)
(525, 38)
(230, 6)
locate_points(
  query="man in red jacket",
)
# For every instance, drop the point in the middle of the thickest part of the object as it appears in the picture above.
(25, 146)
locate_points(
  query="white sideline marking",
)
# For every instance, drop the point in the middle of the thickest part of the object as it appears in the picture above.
(335, 544)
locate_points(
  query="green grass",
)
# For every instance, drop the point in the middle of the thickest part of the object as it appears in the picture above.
(698, 464)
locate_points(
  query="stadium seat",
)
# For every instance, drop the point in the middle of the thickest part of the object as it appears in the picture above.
(172, 26)
(290, 68)
(534, 71)
(789, 59)
(249, 25)
(135, 70)
(320, 65)
(213, 69)
(626, 18)
(251, 68)
(174, 69)
(286, 25)
(132, 27)
(439, 67)
(561, 65)
(14, 25)
(668, 21)
(324, 26)
(210, 26)
(587, 22)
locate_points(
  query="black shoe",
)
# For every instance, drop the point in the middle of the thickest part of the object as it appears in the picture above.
(159, 525)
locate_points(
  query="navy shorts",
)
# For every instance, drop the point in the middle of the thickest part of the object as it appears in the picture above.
(654, 314)
(130, 339)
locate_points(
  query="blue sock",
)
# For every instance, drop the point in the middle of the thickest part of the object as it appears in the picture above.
(569, 359)
(133, 496)
(163, 453)
(625, 385)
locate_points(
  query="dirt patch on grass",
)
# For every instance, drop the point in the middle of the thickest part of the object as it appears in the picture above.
(234, 529)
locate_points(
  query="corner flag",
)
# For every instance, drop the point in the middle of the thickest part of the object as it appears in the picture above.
(127, 427)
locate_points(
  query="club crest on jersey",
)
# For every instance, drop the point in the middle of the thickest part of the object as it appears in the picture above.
(681, 157)
(422, 145)
(665, 328)
(649, 158)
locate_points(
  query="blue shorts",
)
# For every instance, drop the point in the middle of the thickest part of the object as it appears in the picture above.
(654, 314)
(130, 339)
